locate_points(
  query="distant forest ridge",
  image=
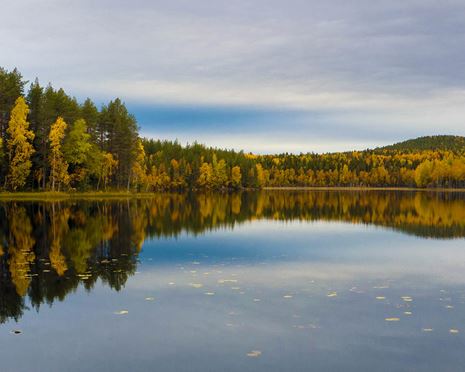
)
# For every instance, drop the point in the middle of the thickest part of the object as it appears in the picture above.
(50, 141)
(432, 143)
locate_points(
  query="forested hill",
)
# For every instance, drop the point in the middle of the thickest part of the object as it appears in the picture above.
(433, 143)
(51, 141)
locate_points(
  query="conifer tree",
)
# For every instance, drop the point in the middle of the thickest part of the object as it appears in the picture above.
(11, 87)
(35, 99)
(91, 116)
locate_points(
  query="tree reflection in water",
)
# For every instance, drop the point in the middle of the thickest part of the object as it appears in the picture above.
(47, 249)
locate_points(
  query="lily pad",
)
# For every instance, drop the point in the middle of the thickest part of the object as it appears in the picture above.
(121, 312)
(196, 285)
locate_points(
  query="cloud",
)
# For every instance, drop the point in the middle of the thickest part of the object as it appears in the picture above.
(380, 67)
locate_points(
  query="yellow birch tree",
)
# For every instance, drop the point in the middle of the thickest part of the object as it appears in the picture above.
(139, 170)
(107, 168)
(19, 145)
(58, 166)
(236, 176)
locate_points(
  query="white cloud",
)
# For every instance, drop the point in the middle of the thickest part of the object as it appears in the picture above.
(374, 65)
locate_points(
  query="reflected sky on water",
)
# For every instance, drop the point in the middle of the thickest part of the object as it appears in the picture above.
(250, 282)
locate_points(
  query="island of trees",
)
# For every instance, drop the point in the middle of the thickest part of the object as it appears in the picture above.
(50, 141)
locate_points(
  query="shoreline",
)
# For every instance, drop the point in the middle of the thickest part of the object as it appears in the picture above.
(49, 195)
(362, 188)
(53, 196)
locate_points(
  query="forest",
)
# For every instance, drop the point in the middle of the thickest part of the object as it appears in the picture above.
(51, 142)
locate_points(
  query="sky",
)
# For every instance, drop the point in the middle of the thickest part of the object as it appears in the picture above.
(259, 75)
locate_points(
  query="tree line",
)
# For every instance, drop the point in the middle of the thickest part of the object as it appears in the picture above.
(50, 141)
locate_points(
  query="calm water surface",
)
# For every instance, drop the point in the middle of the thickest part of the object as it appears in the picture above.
(266, 281)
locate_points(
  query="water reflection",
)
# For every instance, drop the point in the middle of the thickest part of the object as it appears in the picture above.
(47, 249)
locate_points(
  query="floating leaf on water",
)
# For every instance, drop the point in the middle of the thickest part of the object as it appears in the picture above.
(380, 298)
(121, 312)
(149, 298)
(196, 285)
(254, 353)
(454, 331)
(427, 329)
(392, 319)
(332, 294)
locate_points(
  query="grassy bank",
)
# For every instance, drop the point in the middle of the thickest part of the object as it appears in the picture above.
(97, 195)
(360, 188)
(49, 195)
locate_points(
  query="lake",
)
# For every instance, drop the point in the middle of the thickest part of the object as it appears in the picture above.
(251, 281)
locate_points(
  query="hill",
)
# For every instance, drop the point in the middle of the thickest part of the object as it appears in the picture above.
(449, 143)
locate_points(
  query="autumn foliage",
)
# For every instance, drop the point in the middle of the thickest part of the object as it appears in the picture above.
(49, 141)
